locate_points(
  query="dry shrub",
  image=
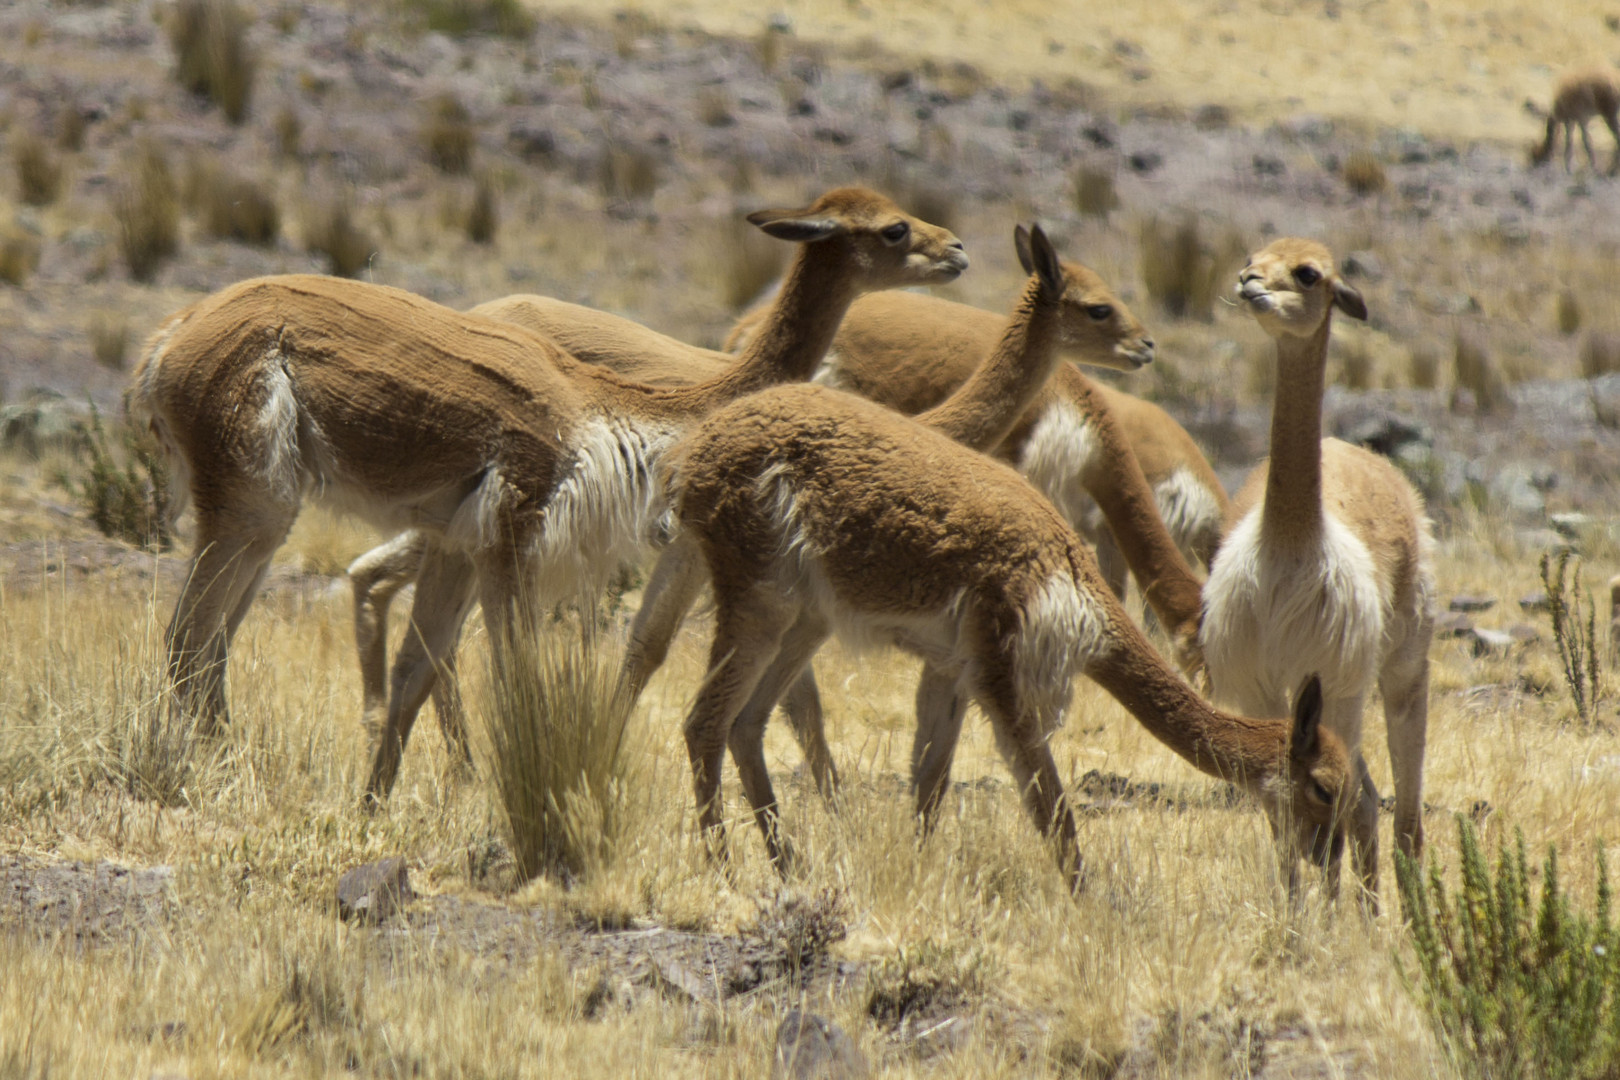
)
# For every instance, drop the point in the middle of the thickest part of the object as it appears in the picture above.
(628, 174)
(19, 256)
(211, 55)
(1364, 173)
(1569, 312)
(109, 340)
(925, 980)
(483, 218)
(39, 173)
(1424, 368)
(288, 131)
(233, 208)
(70, 126)
(126, 488)
(458, 18)
(1182, 268)
(1476, 372)
(329, 230)
(557, 714)
(147, 207)
(1600, 354)
(448, 134)
(1094, 194)
(749, 262)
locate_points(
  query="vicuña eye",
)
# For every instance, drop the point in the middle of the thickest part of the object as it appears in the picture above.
(1307, 276)
(1100, 312)
(894, 234)
(1322, 794)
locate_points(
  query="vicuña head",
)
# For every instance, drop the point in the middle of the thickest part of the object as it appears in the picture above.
(1291, 284)
(901, 250)
(1094, 324)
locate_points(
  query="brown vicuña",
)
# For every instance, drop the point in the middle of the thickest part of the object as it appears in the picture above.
(909, 351)
(816, 510)
(1093, 324)
(526, 469)
(1327, 568)
(1578, 97)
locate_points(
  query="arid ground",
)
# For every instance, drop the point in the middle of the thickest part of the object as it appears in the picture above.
(167, 904)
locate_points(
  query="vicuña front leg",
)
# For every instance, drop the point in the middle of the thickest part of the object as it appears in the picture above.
(375, 578)
(940, 709)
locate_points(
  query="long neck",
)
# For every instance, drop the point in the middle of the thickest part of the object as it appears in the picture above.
(1114, 479)
(1238, 749)
(795, 334)
(1292, 515)
(981, 412)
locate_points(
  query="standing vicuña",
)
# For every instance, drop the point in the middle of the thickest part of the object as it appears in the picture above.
(1327, 568)
(1579, 96)
(524, 467)
(817, 510)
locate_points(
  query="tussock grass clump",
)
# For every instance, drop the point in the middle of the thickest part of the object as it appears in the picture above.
(749, 261)
(1569, 312)
(233, 207)
(1574, 627)
(1364, 173)
(306, 999)
(1478, 373)
(630, 174)
(483, 217)
(1600, 354)
(459, 18)
(1424, 367)
(109, 340)
(330, 230)
(147, 207)
(70, 125)
(448, 135)
(1182, 268)
(557, 715)
(19, 256)
(126, 490)
(1094, 194)
(288, 131)
(1516, 989)
(211, 54)
(39, 173)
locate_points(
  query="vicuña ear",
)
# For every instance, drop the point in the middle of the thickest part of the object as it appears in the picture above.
(1307, 719)
(1021, 245)
(1046, 261)
(799, 226)
(1347, 300)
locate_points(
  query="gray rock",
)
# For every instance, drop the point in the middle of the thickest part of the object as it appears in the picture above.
(1472, 603)
(1536, 601)
(1523, 632)
(809, 1047)
(1571, 524)
(372, 892)
(1364, 264)
(1521, 488)
(1485, 642)
(1380, 430)
(1453, 624)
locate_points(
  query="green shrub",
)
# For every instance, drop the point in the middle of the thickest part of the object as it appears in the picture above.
(211, 55)
(1515, 989)
(557, 715)
(127, 491)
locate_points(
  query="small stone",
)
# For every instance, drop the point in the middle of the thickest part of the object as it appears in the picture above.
(1485, 642)
(809, 1047)
(372, 892)
(1472, 603)
(1145, 161)
(1571, 524)
(1523, 632)
(1364, 264)
(1453, 624)
(1536, 601)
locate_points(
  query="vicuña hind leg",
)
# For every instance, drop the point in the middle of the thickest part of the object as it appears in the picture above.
(226, 572)
(1405, 686)
(802, 706)
(941, 705)
(1343, 717)
(670, 593)
(375, 578)
(747, 737)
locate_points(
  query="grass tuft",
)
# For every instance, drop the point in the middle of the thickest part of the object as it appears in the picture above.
(234, 208)
(1364, 173)
(19, 255)
(460, 18)
(924, 980)
(749, 261)
(126, 490)
(1183, 269)
(109, 340)
(628, 174)
(557, 716)
(147, 207)
(483, 218)
(329, 230)
(70, 125)
(1094, 194)
(1477, 372)
(39, 173)
(448, 135)
(211, 54)
(1569, 312)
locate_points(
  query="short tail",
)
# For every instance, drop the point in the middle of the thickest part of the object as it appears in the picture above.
(142, 409)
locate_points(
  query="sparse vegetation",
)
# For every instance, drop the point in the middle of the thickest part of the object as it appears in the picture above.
(557, 717)
(19, 255)
(109, 340)
(39, 173)
(330, 230)
(1569, 312)
(1094, 194)
(1183, 269)
(925, 979)
(1478, 374)
(231, 207)
(483, 217)
(211, 54)
(125, 490)
(1364, 173)
(147, 207)
(458, 18)
(1574, 627)
(628, 174)
(448, 135)
(1516, 989)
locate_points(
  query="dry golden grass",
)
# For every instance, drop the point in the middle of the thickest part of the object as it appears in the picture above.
(1178, 954)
